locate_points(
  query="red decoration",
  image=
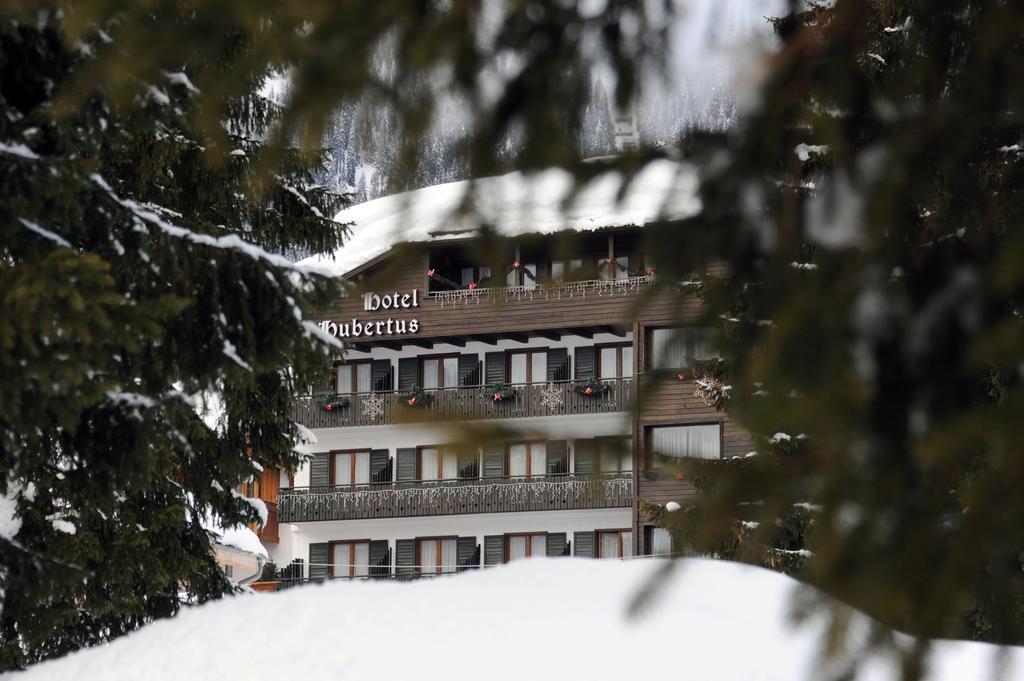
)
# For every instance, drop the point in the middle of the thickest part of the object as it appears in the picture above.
(681, 375)
(411, 401)
(610, 261)
(497, 397)
(472, 285)
(680, 476)
(650, 271)
(516, 265)
(329, 407)
(589, 390)
(430, 272)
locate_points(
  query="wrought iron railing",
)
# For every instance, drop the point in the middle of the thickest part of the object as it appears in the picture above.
(465, 403)
(456, 497)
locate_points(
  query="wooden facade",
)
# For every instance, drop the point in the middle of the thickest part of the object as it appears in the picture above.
(630, 308)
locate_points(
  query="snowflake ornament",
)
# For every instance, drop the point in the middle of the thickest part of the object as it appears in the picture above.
(373, 407)
(551, 397)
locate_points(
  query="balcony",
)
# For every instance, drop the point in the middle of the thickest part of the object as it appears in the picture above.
(456, 497)
(465, 404)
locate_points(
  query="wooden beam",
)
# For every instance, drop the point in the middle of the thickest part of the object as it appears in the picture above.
(550, 334)
(519, 337)
(582, 331)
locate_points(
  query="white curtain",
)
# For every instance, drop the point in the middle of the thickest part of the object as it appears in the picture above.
(516, 548)
(342, 560)
(517, 460)
(661, 542)
(608, 362)
(518, 366)
(345, 379)
(609, 545)
(428, 464)
(539, 367)
(361, 559)
(451, 372)
(430, 373)
(675, 348)
(701, 442)
(428, 556)
(538, 458)
(450, 464)
(538, 546)
(363, 377)
(530, 280)
(362, 468)
(627, 361)
(627, 544)
(449, 558)
(342, 469)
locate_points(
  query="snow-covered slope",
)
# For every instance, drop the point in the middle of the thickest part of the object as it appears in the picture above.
(512, 204)
(536, 619)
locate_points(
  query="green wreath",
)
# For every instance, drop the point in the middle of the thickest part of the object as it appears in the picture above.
(334, 401)
(592, 387)
(417, 397)
(499, 392)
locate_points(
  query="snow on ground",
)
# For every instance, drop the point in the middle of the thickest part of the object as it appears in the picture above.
(512, 204)
(536, 619)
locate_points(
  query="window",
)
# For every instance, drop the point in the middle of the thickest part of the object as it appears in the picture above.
(675, 348)
(615, 544)
(350, 559)
(350, 468)
(657, 541)
(354, 377)
(435, 555)
(698, 441)
(439, 463)
(615, 361)
(615, 455)
(481, 276)
(528, 366)
(619, 269)
(439, 372)
(563, 269)
(525, 545)
(527, 459)
(525, 276)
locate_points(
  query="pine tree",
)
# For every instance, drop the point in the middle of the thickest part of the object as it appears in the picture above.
(142, 282)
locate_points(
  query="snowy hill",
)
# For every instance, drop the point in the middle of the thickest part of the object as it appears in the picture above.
(537, 619)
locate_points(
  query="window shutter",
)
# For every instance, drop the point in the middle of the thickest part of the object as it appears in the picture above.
(556, 544)
(469, 370)
(583, 544)
(586, 456)
(408, 372)
(584, 363)
(494, 461)
(405, 557)
(320, 470)
(558, 457)
(558, 364)
(380, 561)
(380, 375)
(494, 368)
(318, 561)
(467, 553)
(494, 550)
(380, 466)
(406, 464)
(469, 463)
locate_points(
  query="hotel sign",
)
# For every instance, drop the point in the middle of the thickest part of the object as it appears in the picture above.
(374, 302)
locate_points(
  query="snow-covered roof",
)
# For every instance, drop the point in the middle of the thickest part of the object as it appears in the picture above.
(513, 205)
(704, 615)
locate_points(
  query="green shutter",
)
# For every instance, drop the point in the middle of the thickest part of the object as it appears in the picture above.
(584, 363)
(380, 466)
(469, 370)
(380, 560)
(318, 560)
(320, 470)
(558, 364)
(494, 461)
(408, 372)
(583, 544)
(467, 553)
(494, 368)
(558, 457)
(586, 456)
(556, 544)
(494, 550)
(406, 464)
(405, 557)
